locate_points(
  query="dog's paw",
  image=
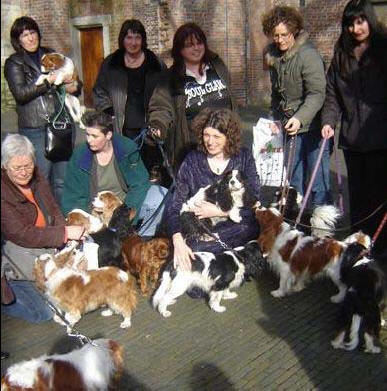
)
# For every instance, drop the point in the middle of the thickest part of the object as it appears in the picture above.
(337, 344)
(126, 323)
(235, 216)
(165, 313)
(277, 293)
(337, 298)
(229, 295)
(382, 322)
(107, 312)
(373, 350)
(57, 319)
(218, 308)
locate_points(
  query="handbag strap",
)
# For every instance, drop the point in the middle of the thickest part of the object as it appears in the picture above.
(62, 97)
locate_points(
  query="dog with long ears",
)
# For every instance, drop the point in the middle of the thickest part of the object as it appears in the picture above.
(216, 274)
(364, 301)
(296, 257)
(96, 366)
(229, 193)
(64, 69)
(104, 204)
(76, 292)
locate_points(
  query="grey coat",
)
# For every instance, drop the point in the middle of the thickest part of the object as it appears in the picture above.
(298, 82)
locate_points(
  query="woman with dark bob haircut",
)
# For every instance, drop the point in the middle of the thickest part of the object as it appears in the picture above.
(35, 103)
(298, 92)
(125, 83)
(357, 98)
(219, 151)
(197, 79)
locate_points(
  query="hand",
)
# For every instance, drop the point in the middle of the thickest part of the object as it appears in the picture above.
(155, 133)
(75, 232)
(206, 209)
(182, 254)
(51, 77)
(293, 126)
(275, 127)
(327, 131)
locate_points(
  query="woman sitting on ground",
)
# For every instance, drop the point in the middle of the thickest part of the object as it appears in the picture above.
(219, 151)
(31, 223)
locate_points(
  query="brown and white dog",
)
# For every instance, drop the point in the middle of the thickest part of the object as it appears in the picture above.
(104, 204)
(91, 223)
(77, 292)
(296, 257)
(63, 68)
(96, 366)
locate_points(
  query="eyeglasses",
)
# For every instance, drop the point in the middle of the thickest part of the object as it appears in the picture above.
(277, 37)
(27, 167)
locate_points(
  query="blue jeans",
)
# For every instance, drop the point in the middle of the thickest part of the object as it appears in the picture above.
(305, 157)
(54, 172)
(153, 199)
(29, 304)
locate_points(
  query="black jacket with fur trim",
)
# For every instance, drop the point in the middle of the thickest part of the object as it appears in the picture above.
(111, 87)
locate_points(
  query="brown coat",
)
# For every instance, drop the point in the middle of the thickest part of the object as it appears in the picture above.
(18, 215)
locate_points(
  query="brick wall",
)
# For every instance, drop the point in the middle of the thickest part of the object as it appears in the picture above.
(233, 29)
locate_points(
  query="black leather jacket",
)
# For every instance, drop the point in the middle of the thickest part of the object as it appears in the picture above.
(111, 87)
(33, 102)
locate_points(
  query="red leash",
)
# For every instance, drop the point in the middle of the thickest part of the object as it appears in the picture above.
(381, 225)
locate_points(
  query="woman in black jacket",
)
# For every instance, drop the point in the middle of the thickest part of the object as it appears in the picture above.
(125, 83)
(33, 103)
(357, 93)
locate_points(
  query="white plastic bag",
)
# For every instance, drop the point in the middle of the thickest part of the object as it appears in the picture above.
(268, 153)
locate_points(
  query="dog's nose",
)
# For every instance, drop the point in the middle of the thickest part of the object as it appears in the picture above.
(232, 182)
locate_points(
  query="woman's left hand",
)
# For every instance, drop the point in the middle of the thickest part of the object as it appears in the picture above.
(293, 126)
(206, 209)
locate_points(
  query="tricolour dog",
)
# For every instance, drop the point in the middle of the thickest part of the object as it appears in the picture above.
(76, 292)
(364, 300)
(214, 274)
(96, 366)
(63, 68)
(229, 193)
(296, 257)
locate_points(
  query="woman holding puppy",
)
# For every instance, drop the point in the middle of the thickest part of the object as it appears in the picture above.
(219, 151)
(34, 103)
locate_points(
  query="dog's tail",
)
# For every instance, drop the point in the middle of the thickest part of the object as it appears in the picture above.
(323, 220)
(164, 287)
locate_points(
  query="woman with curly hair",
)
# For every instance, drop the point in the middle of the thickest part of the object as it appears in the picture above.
(298, 93)
(219, 151)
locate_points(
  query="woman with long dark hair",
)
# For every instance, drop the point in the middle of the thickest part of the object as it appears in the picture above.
(357, 95)
(198, 78)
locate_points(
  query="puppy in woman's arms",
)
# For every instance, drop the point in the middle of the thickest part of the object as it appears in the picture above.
(229, 193)
(361, 311)
(96, 366)
(64, 70)
(214, 274)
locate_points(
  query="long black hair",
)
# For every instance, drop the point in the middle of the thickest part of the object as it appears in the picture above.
(364, 10)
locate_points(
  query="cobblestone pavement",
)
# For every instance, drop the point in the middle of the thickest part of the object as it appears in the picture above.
(259, 343)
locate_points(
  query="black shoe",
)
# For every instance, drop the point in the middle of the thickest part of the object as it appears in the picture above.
(4, 355)
(196, 293)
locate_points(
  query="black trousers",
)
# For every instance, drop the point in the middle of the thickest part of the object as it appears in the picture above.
(367, 186)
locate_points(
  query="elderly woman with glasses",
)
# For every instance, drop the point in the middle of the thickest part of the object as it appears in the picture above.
(298, 93)
(31, 224)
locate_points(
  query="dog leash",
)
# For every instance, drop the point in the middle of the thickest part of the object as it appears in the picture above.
(74, 332)
(310, 184)
(339, 180)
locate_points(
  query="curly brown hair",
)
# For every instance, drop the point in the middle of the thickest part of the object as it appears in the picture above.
(289, 16)
(224, 120)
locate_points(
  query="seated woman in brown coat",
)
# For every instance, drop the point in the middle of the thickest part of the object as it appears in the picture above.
(31, 224)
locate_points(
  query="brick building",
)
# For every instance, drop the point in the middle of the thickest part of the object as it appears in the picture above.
(78, 28)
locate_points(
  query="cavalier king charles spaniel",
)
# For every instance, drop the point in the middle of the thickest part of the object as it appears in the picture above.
(214, 274)
(364, 301)
(296, 257)
(95, 366)
(229, 193)
(104, 204)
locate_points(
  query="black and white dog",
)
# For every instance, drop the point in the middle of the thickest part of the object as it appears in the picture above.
(229, 193)
(214, 274)
(363, 303)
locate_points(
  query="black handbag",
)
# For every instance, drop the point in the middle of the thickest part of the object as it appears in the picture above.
(60, 133)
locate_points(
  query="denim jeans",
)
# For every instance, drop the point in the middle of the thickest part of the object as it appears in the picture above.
(305, 157)
(153, 199)
(54, 172)
(29, 304)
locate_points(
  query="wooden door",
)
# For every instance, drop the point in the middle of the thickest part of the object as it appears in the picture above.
(92, 57)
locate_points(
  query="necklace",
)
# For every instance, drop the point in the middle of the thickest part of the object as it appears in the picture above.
(217, 165)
